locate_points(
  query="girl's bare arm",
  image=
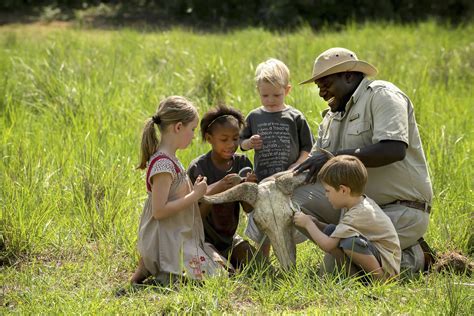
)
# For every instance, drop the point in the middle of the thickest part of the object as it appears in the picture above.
(161, 208)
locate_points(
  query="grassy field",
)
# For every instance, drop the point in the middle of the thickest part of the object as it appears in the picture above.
(72, 105)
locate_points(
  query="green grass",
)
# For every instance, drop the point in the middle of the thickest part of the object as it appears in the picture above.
(72, 105)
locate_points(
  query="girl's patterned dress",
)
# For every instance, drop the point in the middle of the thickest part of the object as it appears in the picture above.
(175, 246)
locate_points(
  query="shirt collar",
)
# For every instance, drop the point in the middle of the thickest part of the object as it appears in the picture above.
(363, 85)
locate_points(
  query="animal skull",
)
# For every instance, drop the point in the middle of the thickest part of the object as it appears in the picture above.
(273, 209)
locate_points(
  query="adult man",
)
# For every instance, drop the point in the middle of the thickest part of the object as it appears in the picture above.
(374, 121)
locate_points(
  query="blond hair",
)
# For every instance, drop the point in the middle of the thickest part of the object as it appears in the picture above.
(344, 170)
(273, 71)
(172, 110)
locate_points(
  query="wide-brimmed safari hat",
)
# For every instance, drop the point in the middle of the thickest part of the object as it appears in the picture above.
(336, 60)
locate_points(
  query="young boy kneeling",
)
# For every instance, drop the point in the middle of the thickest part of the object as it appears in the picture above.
(365, 239)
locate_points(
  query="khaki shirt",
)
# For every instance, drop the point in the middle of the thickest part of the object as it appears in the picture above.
(378, 111)
(368, 220)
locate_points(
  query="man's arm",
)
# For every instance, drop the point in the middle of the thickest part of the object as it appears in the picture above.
(303, 156)
(380, 154)
(376, 155)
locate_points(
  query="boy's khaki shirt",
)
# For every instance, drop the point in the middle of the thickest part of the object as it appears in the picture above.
(368, 220)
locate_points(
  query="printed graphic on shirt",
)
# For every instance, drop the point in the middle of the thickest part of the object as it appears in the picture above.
(275, 153)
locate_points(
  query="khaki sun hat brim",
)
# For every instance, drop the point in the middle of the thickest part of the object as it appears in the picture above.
(349, 65)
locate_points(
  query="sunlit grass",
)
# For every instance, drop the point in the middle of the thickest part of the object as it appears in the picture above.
(72, 104)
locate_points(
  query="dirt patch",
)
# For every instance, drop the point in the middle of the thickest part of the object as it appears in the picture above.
(453, 262)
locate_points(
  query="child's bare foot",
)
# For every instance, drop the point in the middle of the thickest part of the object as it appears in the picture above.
(141, 274)
(138, 277)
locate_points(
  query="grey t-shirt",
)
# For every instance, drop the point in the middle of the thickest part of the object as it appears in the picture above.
(284, 134)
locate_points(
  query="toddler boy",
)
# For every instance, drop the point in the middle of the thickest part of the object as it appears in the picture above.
(279, 133)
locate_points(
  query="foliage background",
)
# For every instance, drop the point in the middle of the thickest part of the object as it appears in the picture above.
(272, 14)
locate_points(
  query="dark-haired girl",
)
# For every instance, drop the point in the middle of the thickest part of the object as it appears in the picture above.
(220, 127)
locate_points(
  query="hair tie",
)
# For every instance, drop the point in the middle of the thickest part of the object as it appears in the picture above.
(156, 119)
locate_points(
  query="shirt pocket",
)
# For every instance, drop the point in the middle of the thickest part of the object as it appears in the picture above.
(358, 128)
(359, 134)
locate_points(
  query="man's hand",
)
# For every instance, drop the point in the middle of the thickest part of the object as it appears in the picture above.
(314, 163)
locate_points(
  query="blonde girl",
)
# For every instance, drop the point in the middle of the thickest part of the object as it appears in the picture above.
(171, 236)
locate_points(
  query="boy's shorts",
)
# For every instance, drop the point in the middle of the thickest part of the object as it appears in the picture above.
(358, 244)
(254, 233)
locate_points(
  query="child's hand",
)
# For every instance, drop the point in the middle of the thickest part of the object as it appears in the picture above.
(301, 220)
(200, 186)
(256, 142)
(227, 182)
(251, 177)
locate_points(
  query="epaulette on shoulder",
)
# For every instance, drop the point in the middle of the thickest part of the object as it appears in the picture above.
(381, 84)
(377, 84)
